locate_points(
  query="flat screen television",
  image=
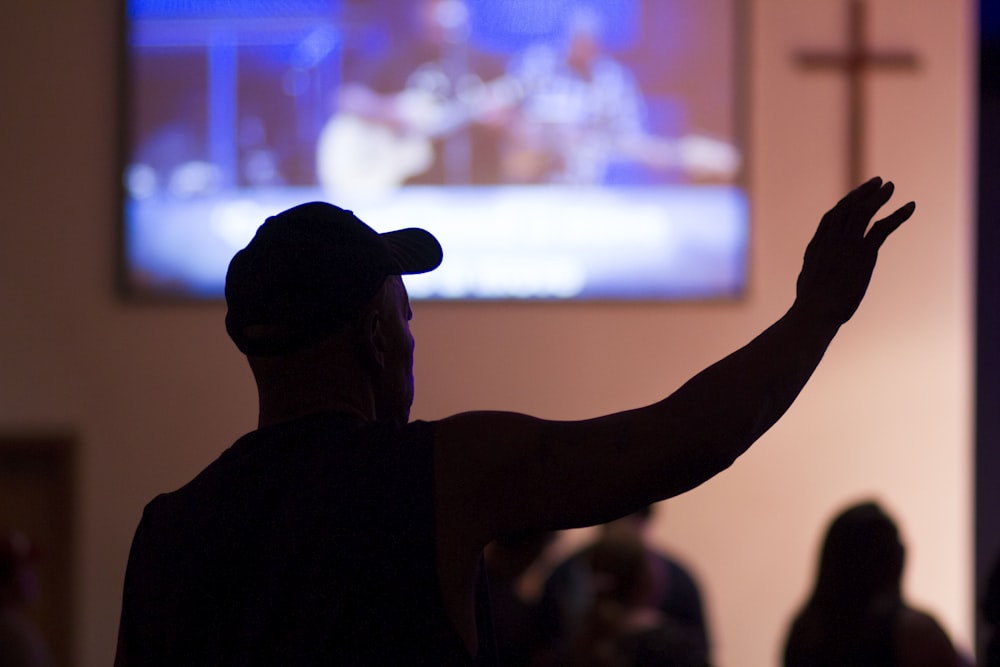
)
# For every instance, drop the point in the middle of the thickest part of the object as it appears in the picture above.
(560, 150)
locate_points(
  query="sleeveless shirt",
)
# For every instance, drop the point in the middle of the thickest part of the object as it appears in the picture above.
(309, 542)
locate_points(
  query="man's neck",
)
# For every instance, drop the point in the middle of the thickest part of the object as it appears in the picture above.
(328, 377)
(286, 406)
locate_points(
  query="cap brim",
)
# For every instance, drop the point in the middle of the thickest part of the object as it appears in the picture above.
(413, 250)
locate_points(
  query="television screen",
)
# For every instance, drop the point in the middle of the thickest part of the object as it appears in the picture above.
(565, 149)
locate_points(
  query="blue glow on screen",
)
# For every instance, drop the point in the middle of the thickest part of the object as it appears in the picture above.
(470, 118)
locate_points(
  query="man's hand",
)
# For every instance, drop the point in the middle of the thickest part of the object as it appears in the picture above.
(841, 256)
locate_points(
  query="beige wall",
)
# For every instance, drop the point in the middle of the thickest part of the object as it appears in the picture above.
(154, 393)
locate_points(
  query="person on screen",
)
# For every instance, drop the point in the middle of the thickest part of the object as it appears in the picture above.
(340, 531)
(583, 114)
(431, 113)
(856, 614)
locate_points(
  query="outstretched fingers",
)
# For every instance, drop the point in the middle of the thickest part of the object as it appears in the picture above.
(870, 200)
(882, 228)
(855, 209)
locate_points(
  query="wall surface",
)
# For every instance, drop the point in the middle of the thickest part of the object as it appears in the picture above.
(152, 394)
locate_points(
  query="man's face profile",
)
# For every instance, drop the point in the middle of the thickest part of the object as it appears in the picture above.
(396, 391)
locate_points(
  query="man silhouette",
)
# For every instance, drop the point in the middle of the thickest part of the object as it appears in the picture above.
(340, 532)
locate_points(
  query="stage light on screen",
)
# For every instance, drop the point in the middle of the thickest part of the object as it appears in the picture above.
(566, 150)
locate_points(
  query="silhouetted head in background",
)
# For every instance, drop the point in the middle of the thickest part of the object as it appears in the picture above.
(862, 558)
(857, 614)
(619, 569)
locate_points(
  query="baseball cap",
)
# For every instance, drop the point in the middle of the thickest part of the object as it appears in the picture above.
(309, 270)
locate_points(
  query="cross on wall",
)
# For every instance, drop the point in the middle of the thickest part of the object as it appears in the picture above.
(854, 63)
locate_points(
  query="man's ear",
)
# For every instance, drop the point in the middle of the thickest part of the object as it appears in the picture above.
(372, 340)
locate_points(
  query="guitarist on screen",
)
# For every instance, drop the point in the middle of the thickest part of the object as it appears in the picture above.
(582, 113)
(433, 115)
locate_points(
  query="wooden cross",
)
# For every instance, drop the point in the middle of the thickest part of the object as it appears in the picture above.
(854, 62)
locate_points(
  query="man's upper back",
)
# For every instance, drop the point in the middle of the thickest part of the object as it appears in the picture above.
(306, 542)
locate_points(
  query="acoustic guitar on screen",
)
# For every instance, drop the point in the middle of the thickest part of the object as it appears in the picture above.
(376, 142)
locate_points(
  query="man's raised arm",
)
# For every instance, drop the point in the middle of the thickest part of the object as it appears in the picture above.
(510, 472)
